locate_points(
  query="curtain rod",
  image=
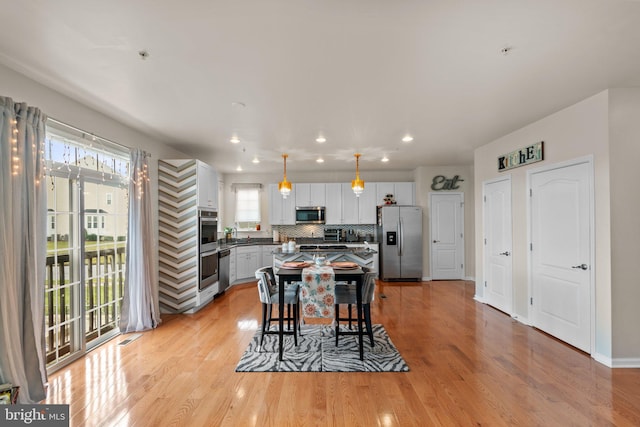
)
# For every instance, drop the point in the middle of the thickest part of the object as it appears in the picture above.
(84, 133)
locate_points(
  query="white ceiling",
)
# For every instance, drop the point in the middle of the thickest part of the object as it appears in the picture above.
(363, 73)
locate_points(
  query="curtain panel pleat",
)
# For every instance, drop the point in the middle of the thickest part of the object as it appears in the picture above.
(22, 249)
(140, 306)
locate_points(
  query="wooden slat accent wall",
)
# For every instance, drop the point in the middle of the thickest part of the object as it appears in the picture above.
(178, 232)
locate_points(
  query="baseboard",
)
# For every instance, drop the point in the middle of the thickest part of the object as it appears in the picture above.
(467, 278)
(521, 319)
(626, 362)
(479, 299)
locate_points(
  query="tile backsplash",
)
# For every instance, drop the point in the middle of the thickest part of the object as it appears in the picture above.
(317, 230)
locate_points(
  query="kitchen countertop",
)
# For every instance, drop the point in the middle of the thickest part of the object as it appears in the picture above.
(279, 251)
(222, 244)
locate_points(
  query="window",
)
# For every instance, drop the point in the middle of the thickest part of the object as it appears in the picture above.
(247, 206)
(109, 198)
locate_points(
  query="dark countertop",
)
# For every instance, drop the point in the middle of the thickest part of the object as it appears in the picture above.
(223, 244)
(360, 251)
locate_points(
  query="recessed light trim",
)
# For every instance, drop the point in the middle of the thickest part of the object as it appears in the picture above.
(321, 139)
(239, 168)
(255, 160)
(319, 160)
(384, 159)
(234, 140)
(407, 138)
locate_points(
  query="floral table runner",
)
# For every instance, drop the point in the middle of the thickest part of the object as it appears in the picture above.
(317, 291)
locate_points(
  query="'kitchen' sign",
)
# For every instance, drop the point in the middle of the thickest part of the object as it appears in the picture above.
(521, 157)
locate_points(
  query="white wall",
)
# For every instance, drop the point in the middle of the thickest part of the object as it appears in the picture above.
(574, 132)
(424, 179)
(624, 116)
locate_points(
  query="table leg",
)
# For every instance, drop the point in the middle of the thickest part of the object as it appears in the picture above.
(280, 316)
(359, 309)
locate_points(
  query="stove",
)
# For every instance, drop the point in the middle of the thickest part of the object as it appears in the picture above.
(308, 247)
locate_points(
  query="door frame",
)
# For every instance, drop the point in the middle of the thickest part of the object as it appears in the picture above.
(592, 227)
(485, 258)
(462, 249)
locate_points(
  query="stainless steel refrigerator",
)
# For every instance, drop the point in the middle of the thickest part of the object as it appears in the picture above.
(400, 240)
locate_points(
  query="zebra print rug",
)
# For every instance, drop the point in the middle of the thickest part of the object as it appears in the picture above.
(317, 352)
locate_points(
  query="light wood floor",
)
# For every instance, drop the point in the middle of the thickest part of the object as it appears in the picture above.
(470, 365)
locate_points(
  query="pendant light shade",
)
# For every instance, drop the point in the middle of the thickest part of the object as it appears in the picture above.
(357, 185)
(284, 187)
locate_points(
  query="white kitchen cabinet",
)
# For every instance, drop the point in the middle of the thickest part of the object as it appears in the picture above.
(349, 205)
(233, 273)
(333, 205)
(248, 259)
(281, 211)
(359, 210)
(310, 194)
(367, 212)
(403, 192)
(382, 189)
(207, 186)
(267, 255)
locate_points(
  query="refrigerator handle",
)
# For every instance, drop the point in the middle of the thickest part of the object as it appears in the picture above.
(400, 237)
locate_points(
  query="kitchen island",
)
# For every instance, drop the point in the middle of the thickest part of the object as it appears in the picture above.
(363, 255)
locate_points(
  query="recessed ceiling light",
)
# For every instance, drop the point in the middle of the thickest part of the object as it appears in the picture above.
(255, 160)
(407, 138)
(320, 160)
(321, 139)
(234, 140)
(239, 168)
(384, 159)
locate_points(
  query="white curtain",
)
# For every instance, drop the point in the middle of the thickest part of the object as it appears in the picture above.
(140, 306)
(22, 249)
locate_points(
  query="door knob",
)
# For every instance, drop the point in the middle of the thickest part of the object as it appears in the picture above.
(436, 241)
(581, 266)
(505, 253)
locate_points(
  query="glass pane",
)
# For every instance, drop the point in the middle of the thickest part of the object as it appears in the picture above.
(100, 230)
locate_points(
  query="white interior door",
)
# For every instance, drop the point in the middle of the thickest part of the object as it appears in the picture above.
(447, 236)
(561, 232)
(498, 286)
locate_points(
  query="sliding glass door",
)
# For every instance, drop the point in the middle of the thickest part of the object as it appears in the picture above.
(87, 203)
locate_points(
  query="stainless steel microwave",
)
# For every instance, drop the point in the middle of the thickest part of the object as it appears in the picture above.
(310, 215)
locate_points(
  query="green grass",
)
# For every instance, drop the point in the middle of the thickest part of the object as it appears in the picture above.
(62, 248)
(89, 245)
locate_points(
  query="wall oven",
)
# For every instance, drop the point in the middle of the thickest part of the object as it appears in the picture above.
(310, 215)
(207, 248)
(208, 269)
(208, 230)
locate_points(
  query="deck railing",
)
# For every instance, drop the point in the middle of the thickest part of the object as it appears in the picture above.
(104, 273)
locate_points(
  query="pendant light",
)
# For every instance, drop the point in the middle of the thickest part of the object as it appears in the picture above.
(357, 185)
(284, 187)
